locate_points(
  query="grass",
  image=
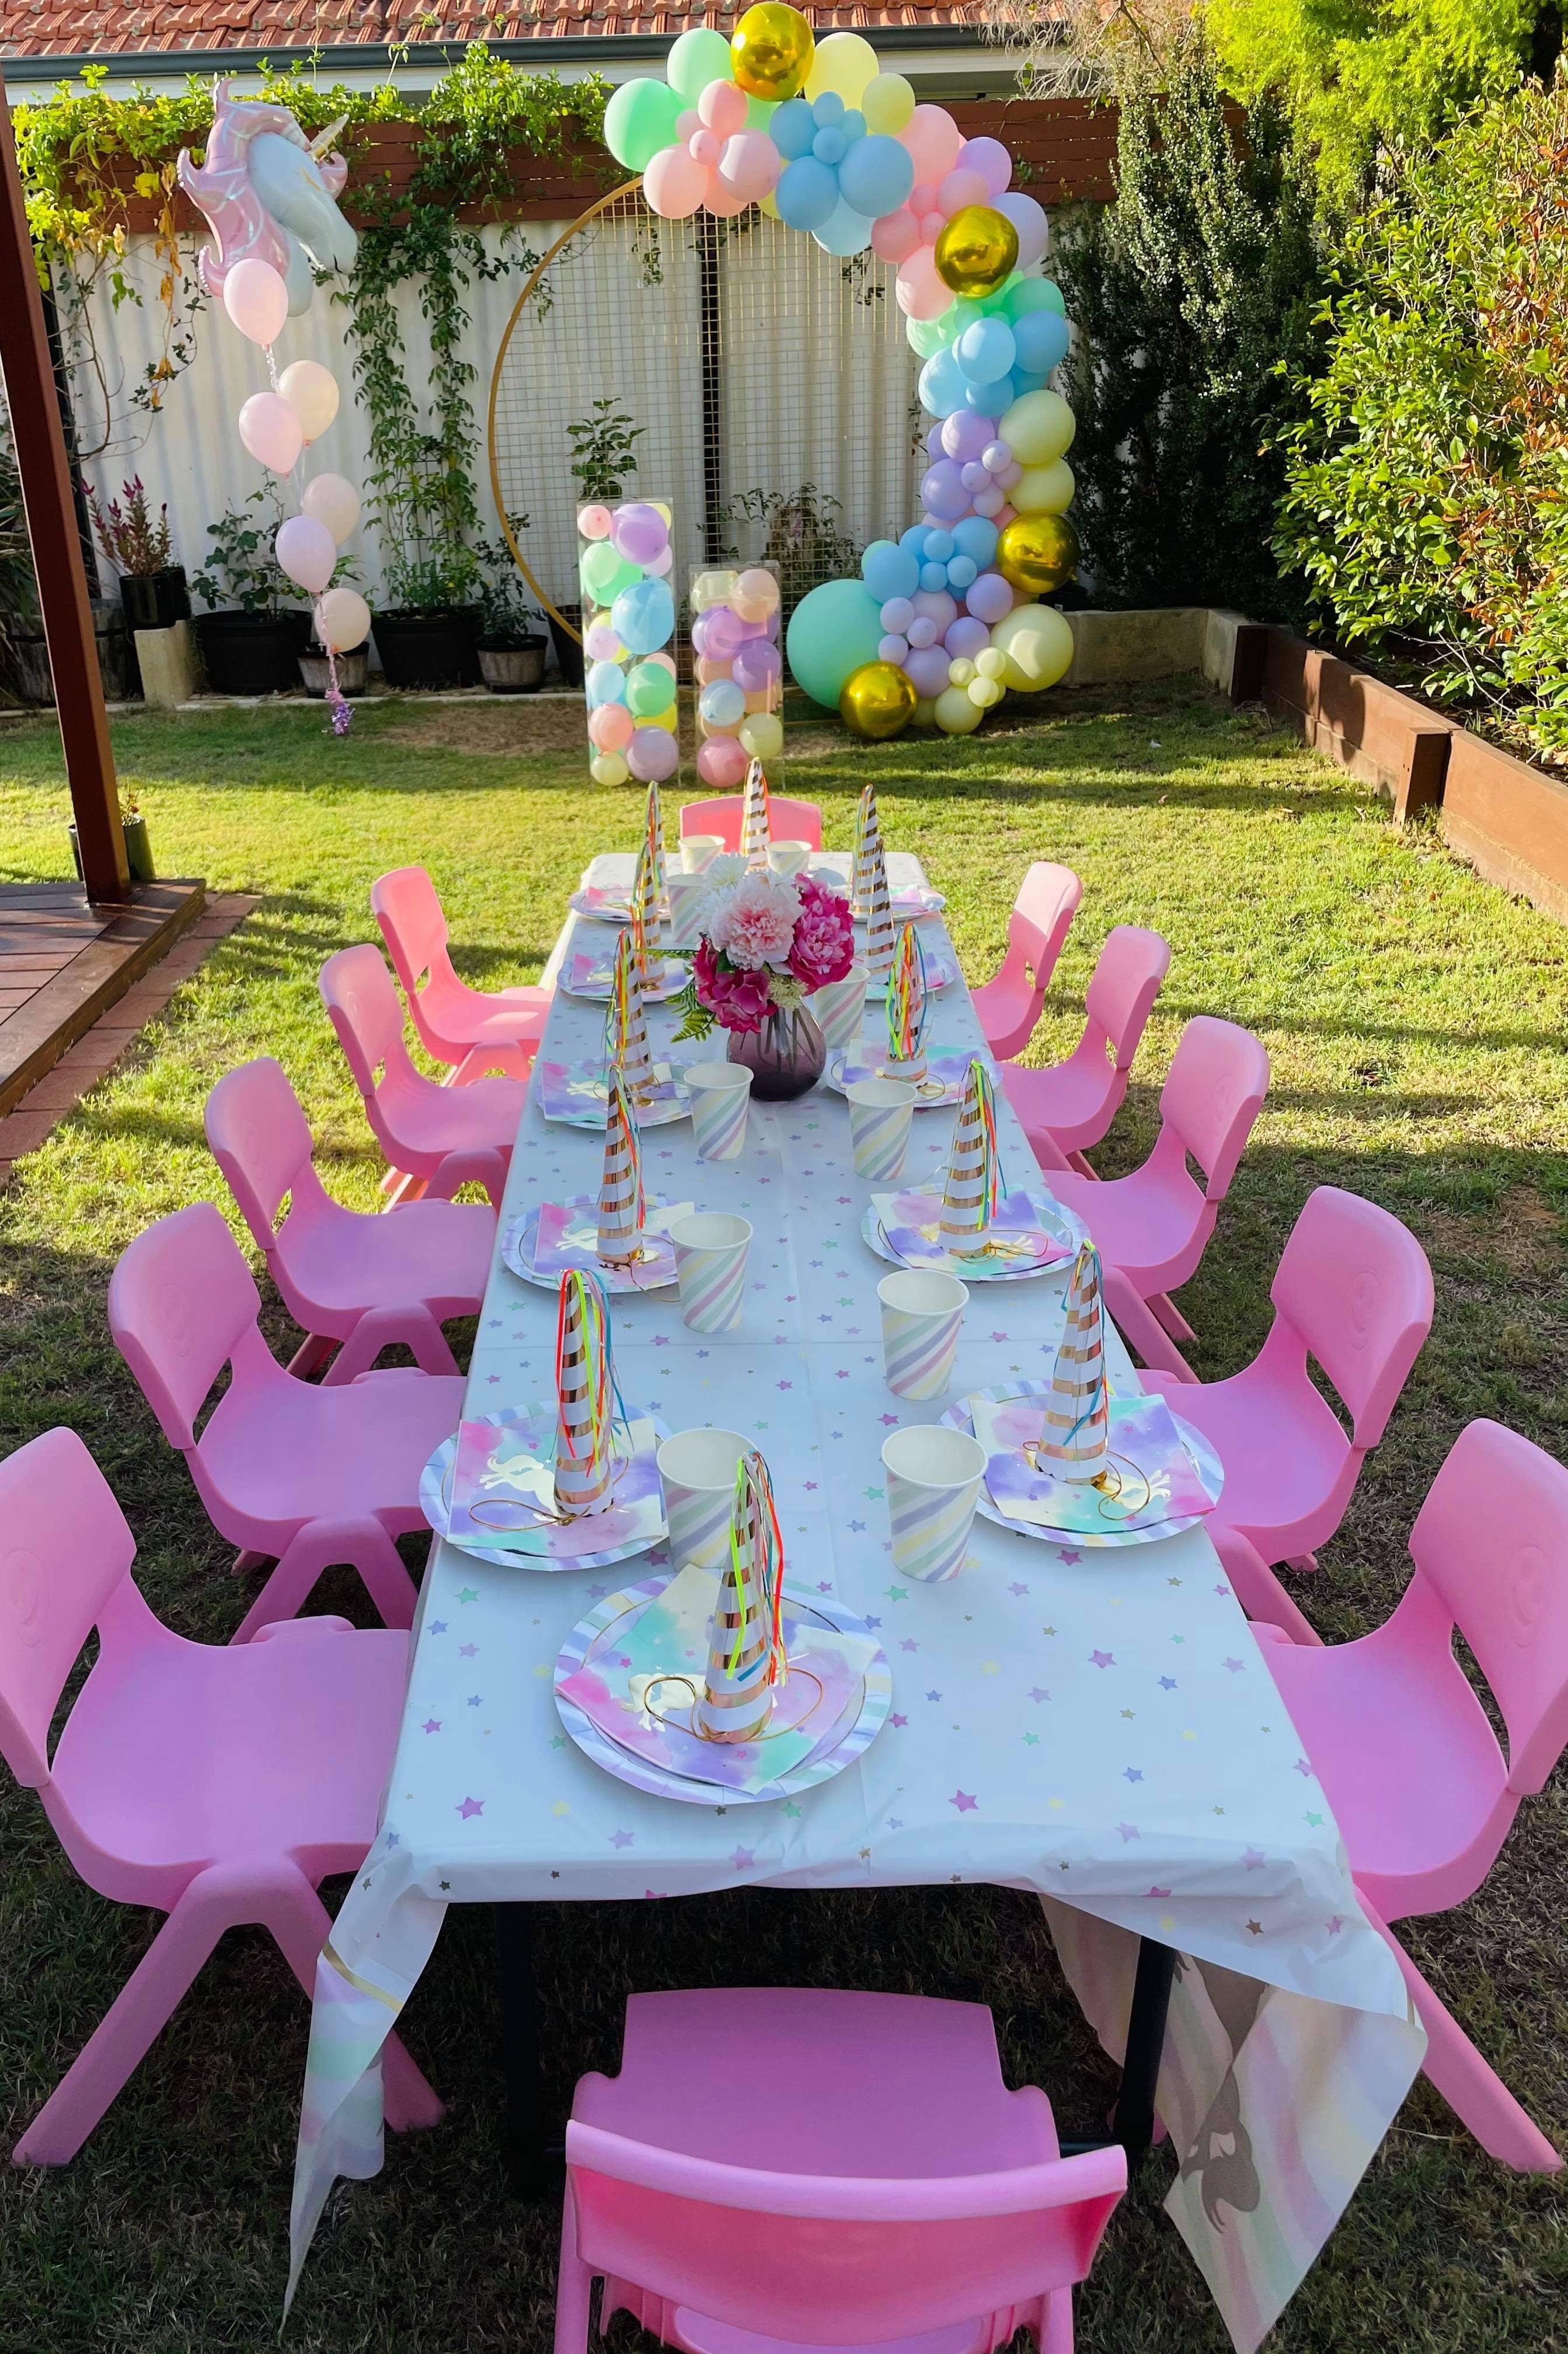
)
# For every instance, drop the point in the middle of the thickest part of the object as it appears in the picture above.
(1416, 1019)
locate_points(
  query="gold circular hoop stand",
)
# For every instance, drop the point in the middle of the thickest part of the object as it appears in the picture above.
(627, 189)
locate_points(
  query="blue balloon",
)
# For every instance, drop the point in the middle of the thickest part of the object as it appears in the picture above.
(1024, 380)
(890, 571)
(723, 703)
(854, 124)
(829, 145)
(939, 546)
(606, 683)
(933, 576)
(833, 629)
(829, 108)
(943, 383)
(976, 536)
(643, 617)
(844, 231)
(876, 176)
(915, 539)
(1041, 339)
(961, 570)
(807, 193)
(985, 399)
(987, 350)
(793, 128)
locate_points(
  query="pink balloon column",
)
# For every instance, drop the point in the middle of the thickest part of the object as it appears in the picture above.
(739, 675)
(628, 625)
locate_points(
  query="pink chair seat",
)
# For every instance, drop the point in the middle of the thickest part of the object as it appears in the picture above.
(474, 1029)
(1008, 1006)
(427, 1254)
(1155, 1234)
(1281, 1444)
(290, 1451)
(1072, 1100)
(432, 1121)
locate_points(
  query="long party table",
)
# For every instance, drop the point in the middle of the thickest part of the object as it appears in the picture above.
(1098, 1726)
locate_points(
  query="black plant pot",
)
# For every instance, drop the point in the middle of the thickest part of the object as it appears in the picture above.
(429, 649)
(116, 659)
(569, 649)
(512, 665)
(252, 654)
(138, 850)
(155, 601)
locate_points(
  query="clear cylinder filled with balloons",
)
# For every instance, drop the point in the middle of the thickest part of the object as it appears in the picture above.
(625, 564)
(738, 671)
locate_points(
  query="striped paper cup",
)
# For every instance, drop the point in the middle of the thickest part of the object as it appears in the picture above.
(697, 1467)
(719, 1093)
(934, 1478)
(922, 1314)
(790, 856)
(880, 1113)
(710, 1250)
(698, 851)
(839, 1008)
(686, 895)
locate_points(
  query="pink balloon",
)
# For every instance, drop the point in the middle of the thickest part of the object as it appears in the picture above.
(894, 236)
(927, 668)
(611, 728)
(958, 190)
(935, 605)
(721, 762)
(270, 430)
(922, 198)
(935, 142)
(705, 147)
(991, 159)
(965, 637)
(593, 521)
(665, 661)
(711, 666)
(601, 644)
(989, 596)
(722, 108)
(1011, 472)
(922, 294)
(750, 163)
(1005, 514)
(1029, 219)
(965, 435)
(686, 122)
(722, 201)
(673, 184)
(932, 223)
(652, 755)
(307, 552)
(255, 299)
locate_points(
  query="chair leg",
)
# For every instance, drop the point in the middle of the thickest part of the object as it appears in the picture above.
(574, 2287)
(399, 1186)
(312, 1353)
(247, 1563)
(1076, 1161)
(364, 1545)
(413, 1327)
(141, 2008)
(302, 1924)
(1257, 1589)
(1302, 1561)
(1476, 2093)
(1171, 1316)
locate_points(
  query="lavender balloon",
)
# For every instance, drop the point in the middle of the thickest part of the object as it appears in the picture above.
(757, 666)
(968, 634)
(990, 597)
(943, 491)
(639, 533)
(965, 434)
(927, 668)
(651, 754)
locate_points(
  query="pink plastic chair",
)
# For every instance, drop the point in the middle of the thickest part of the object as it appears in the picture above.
(365, 1279)
(1153, 1227)
(1008, 1006)
(443, 1137)
(1422, 1795)
(219, 1786)
(1353, 1292)
(476, 1030)
(882, 2188)
(788, 821)
(290, 1472)
(1074, 1102)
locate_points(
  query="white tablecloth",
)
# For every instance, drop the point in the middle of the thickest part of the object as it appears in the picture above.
(1098, 1726)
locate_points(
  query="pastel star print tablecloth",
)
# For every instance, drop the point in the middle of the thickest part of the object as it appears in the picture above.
(1098, 1726)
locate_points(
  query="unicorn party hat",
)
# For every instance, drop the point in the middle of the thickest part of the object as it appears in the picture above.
(878, 916)
(867, 833)
(1074, 1442)
(907, 1009)
(649, 904)
(654, 841)
(756, 826)
(620, 1203)
(585, 1395)
(747, 1661)
(973, 1182)
(636, 931)
(626, 1024)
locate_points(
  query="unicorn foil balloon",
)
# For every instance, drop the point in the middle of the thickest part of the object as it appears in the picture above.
(270, 194)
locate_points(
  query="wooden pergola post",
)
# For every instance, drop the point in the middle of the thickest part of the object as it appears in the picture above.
(46, 496)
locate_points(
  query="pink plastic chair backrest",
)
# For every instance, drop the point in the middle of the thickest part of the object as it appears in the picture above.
(1355, 1286)
(1492, 1538)
(1213, 1093)
(261, 1139)
(788, 821)
(64, 1549)
(406, 906)
(366, 1012)
(838, 2259)
(181, 1304)
(1047, 901)
(1123, 986)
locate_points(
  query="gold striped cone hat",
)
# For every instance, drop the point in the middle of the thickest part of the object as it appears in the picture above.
(626, 1023)
(648, 900)
(968, 1192)
(746, 1661)
(755, 824)
(619, 1237)
(653, 836)
(584, 1391)
(867, 830)
(879, 918)
(1076, 1437)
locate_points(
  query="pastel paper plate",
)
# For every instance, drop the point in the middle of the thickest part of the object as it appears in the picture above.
(1205, 1462)
(435, 1497)
(575, 1094)
(587, 974)
(1035, 1209)
(946, 1074)
(655, 1272)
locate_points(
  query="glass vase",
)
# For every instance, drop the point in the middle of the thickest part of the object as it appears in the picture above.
(785, 1058)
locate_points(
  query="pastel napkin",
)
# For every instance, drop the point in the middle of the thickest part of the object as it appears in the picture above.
(912, 1224)
(502, 1489)
(1158, 1481)
(567, 1235)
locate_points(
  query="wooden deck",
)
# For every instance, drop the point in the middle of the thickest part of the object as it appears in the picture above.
(63, 960)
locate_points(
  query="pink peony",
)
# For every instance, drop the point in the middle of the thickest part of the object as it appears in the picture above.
(757, 925)
(823, 946)
(738, 1000)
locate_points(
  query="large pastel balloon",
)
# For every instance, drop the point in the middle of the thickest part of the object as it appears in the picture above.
(757, 665)
(887, 101)
(1029, 225)
(255, 299)
(986, 352)
(342, 619)
(1032, 294)
(834, 629)
(889, 571)
(1044, 490)
(976, 537)
(991, 159)
(311, 388)
(721, 762)
(846, 65)
(844, 231)
(921, 291)
(771, 51)
(638, 531)
(695, 60)
(611, 728)
(1038, 427)
(643, 616)
(1040, 340)
(895, 237)
(942, 493)
(942, 386)
(652, 755)
(756, 595)
(604, 573)
(723, 704)
(1036, 645)
(722, 108)
(640, 119)
(990, 596)
(1037, 553)
(331, 500)
(927, 669)
(749, 166)
(270, 430)
(606, 683)
(762, 735)
(650, 689)
(307, 552)
(806, 194)
(955, 715)
(957, 188)
(977, 248)
(877, 700)
(674, 183)
(935, 142)
(968, 637)
(876, 176)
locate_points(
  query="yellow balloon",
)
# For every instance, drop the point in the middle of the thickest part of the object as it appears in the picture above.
(762, 736)
(1038, 427)
(1044, 490)
(955, 715)
(960, 671)
(990, 662)
(975, 251)
(877, 700)
(984, 692)
(771, 50)
(887, 102)
(1036, 553)
(845, 63)
(609, 769)
(925, 711)
(1037, 646)
(769, 205)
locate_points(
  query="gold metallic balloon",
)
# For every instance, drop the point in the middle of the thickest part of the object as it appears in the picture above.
(975, 249)
(1036, 553)
(877, 700)
(771, 50)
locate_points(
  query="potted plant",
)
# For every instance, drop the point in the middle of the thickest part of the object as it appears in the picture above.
(428, 634)
(603, 455)
(138, 849)
(251, 640)
(152, 591)
(511, 650)
(353, 670)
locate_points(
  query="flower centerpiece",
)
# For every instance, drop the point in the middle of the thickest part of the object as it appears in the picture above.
(766, 941)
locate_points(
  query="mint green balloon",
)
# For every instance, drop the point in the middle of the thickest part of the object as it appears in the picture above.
(1034, 294)
(924, 337)
(650, 689)
(832, 631)
(604, 573)
(639, 119)
(695, 60)
(759, 113)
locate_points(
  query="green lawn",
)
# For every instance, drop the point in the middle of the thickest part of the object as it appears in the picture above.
(1416, 1021)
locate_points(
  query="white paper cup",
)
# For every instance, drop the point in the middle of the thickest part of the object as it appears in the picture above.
(710, 1250)
(790, 856)
(922, 1315)
(934, 1477)
(698, 851)
(697, 1467)
(880, 1113)
(719, 1093)
(839, 1008)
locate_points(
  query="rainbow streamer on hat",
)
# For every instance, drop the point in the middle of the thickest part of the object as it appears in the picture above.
(754, 1521)
(975, 1186)
(638, 931)
(906, 1001)
(587, 1398)
(625, 1025)
(653, 839)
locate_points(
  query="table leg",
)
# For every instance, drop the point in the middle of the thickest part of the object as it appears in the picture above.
(530, 2157)
(1132, 2119)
